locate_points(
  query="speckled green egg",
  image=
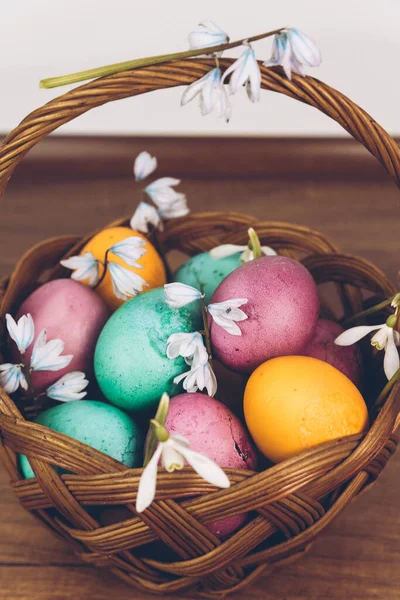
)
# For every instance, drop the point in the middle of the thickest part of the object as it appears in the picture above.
(96, 424)
(203, 269)
(130, 362)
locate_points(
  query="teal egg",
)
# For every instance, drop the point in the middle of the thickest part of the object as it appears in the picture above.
(208, 271)
(130, 362)
(96, 424)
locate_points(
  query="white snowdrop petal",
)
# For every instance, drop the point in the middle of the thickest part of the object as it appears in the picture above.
(47, 356)
(391, 361)
(11, 377)
(130, 250)
(226, 250)
(380, 339)
(179, 294)
(206, 468)
(267, 251)
(84, 267)
(21, 333)
(193, 90)
(179, 439)
(304, 48)
(148, 482)
(145, 215)
(171, 459)
(144, 165)
(207, 34)
(126, 284)
(68, 387)
(355, 334)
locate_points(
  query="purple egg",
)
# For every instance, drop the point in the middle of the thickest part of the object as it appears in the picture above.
(346, 359)
(282, 309)
(213, 430)
(71, 312)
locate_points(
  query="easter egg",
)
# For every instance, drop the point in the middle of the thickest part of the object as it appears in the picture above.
(96, 424)
(69, 311)
(207, 271)
(346, 359)
(131, 365)
(282, 309)
(292, 403)
(213, 430)
(151, 266)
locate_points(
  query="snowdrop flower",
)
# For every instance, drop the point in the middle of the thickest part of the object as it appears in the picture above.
(146, 215)
(68, 387)
(126, 284)
(228, 249)
(144, 165)
(179, 294)
(386, 338)
(187, 345)
(293, 50)
(206, 35)
(85, 267)
(22, 332)
(245, 71)
(12, 377)
(173, 450)
(177, 208)
(200, 377)
(226, 313)
(161, 191)
(212, 95)
(46, 356)
(130, 250)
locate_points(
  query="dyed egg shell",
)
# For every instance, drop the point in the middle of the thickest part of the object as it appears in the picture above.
(213, 430)
(152, 270)
(71, 312)
(206, 270)
(292, 403)
(346, 359)
(282, 312)
(131, 365)
(96, 424)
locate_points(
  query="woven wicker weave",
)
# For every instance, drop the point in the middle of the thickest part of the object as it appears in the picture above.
(168, 548)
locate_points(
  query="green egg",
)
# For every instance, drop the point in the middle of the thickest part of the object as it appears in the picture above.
(130, 362)
(208, 271)
(96, 424)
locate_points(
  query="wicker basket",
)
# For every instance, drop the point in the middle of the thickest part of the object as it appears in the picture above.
(168, 549)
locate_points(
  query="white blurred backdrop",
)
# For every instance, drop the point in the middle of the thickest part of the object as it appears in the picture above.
(359, 40)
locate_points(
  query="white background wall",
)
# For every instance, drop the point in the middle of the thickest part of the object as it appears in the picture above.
(359, 40)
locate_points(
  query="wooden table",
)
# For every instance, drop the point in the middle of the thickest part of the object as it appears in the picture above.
(357, 557)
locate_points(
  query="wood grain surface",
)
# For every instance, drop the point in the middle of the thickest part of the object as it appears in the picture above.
(357, 557)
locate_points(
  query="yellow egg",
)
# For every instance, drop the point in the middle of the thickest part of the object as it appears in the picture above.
(153, 271)
(292, 403)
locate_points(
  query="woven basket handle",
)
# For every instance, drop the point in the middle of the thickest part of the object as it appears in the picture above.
(63, 109)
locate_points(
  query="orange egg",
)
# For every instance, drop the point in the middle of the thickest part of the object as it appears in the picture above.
(292, 403)
(153, 271)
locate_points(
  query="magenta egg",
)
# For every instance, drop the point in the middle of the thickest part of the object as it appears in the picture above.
(282, 309)
(346, 359)
(71, 312)
(213, 430)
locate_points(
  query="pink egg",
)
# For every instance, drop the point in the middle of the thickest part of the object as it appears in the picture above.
(213, 430)
(282, 309)
(71, 312)
(346, 359)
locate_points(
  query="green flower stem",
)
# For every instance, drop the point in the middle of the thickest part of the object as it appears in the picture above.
(28, 377)
(367, 312)
(254, 243)
(206, 329)
(142, 62)
(387, 389)
(105, 268)
(152, 438)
